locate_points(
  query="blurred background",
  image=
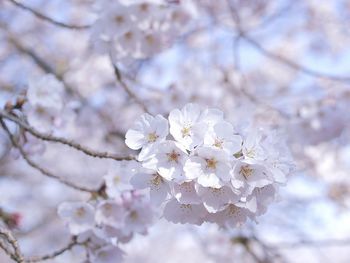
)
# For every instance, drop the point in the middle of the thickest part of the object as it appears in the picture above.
(278, 63)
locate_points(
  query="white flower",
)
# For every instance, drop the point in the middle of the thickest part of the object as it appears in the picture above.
(232, 216)
(210, 167)
(110, 212)
(118, 177)
(249, 175)
(185, 193)
(252, 147)
(46, 93)
(108, 254)
(222, 137)
(139, 217)
(158, 186)
(146, 132)
(212, 116)
(78, 215)
(169, 160)
(186, 126)
(216, 199)
(184, 213)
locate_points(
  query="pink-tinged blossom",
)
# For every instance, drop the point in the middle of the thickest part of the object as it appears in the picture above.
(185, 193)
(78, 215)
(108, 254)
(184, 213)
(111, 213)
(157, 185)
(217, 199)
(118, 177)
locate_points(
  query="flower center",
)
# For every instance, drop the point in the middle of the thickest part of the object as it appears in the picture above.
(186, 131)
(119, 19)
(152, 137)
(173, 156)
(246, 171)
(80, 212)
(116, 179)
(211, 163)
(157, 180)
(218, 143)
(134, 215)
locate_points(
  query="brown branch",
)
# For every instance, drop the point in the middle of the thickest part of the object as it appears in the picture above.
(16, 254)
(70, 143)
(312, 243)
(54, 254)
(48, 19)
(292, 64)
(131, 94)
(36, 166)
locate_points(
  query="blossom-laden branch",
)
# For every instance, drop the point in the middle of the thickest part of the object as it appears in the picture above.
(48, 19)
(55, 139)
(15, 252)
(36, 166)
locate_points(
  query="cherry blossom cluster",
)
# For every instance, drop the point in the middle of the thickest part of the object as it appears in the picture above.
(206, 169)
(103, 224)
(137, 29)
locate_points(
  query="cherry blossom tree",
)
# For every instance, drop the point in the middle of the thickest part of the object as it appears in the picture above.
(173, 130)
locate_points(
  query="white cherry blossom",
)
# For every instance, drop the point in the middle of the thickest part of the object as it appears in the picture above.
(186, 126)
(222, 137)
(184, 213)
(158, 186)
(210, 167)
(78, 215)
(146, 132)
(168, 160)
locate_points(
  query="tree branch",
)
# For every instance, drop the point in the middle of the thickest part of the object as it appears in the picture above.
(48, 19)
(118, 75)
(16, 254)
(37, 167)
(70, 143)
(54, 254)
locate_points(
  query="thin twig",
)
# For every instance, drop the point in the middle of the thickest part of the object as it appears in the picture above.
(48, 19)
(70, 143)
(16, 254)
(36, 166)
(131, 94)
(54, 254)
(292, 64)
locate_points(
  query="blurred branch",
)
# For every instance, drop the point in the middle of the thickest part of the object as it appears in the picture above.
(278, 58)
(70, 143)
(36, 166)
(52, 255)
(46, 18)
(9, 238)
(312, 243)
(131, 94)
(290, 63)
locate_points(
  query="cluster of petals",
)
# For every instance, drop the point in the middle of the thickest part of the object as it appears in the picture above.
(199, 168)
(45, 102)
(137, 29)
(105, 223)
